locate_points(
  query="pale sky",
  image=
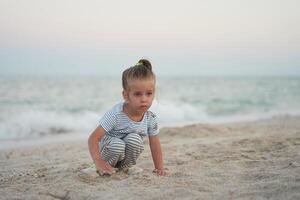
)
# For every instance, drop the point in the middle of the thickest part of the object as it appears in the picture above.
(191, 37)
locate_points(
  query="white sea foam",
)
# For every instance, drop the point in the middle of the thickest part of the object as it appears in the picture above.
(33, 107)
(33, 124)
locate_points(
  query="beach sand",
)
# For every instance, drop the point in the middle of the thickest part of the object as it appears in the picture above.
(245, 160)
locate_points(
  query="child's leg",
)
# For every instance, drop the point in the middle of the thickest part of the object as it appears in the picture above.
(113, 150)
(133, 148)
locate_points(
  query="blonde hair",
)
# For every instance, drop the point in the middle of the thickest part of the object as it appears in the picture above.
(141, 71)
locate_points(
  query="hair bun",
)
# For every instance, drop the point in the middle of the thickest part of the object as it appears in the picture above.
(146, 63)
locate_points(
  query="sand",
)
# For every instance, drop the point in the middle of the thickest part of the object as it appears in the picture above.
(248, 160)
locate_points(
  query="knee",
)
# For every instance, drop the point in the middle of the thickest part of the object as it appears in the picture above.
(117, 147)
(134, 140)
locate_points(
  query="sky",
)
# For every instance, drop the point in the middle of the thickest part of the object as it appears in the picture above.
(191, 37)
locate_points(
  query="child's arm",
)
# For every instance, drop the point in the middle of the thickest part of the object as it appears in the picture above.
(93, 142)
(157, 155)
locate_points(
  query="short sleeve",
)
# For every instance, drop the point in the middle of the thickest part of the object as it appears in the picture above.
(152, 125)
(108, 121)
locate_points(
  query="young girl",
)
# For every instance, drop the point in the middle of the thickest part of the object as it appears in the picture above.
(118, 141)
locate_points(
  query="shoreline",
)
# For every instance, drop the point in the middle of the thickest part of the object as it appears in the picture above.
(35, 142)
(248, 160)
(11, 144)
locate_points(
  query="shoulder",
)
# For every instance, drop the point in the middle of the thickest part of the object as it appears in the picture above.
(117, 108)
(151, 116)
(111, 117)
(113, 112)
(152, 123)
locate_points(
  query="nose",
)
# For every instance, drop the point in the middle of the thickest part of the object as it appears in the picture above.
(144, 98)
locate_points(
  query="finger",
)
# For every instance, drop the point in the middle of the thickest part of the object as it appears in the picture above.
(111, 171)
(108, 172)
(160, 172)
(100, 172)
(156, 172)
(114, 170)
(110, 168)
(105, 173)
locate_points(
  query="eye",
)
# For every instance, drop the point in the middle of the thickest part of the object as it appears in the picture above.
(149, 93)
(137, 94)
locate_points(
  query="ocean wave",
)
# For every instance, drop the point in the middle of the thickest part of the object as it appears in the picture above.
(33, 107)
(38, 123)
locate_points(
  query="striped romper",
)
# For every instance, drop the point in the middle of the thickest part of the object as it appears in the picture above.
(123, 140)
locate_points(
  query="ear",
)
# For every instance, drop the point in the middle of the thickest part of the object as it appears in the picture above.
(125, 95)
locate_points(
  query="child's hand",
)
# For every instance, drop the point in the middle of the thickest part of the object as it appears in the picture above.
(159, 172)
(105, 168)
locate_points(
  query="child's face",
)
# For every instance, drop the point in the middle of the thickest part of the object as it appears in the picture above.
(140, 94)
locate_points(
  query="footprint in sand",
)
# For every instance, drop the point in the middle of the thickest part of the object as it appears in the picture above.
(90, 172)
(87, 175)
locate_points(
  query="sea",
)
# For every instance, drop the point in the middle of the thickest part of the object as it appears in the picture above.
(46, 108)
